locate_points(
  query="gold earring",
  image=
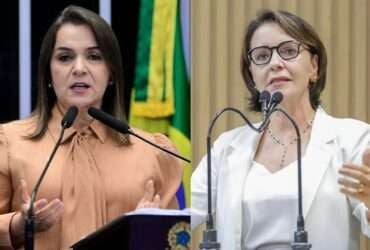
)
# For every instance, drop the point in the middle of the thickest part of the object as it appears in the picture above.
(313, 80)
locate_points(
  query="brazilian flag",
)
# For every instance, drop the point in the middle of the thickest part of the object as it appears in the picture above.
(161, 96)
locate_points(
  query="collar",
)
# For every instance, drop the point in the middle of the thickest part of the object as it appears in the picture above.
(322, 131)
(322, 128)
(96, 127)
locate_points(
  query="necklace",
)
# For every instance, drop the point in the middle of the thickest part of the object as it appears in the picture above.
(285, 145)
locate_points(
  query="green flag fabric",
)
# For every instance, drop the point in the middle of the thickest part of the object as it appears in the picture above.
(161, 97)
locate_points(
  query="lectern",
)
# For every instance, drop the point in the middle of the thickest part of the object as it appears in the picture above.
(145, 229)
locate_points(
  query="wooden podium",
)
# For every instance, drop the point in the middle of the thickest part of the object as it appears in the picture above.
(145, 229)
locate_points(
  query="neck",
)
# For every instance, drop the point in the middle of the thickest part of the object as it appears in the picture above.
(301, 113)
(82, 120)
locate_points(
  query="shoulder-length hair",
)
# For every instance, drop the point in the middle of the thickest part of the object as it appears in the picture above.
(109, 47)
(300, 30)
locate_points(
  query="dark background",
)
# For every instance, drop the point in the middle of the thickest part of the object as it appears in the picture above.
(124, 22)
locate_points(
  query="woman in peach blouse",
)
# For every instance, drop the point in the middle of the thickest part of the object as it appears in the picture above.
(97, 174)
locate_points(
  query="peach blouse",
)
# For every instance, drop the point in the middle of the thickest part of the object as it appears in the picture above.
(96, 178)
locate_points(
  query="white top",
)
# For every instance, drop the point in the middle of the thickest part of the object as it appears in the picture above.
(332, 220)
(269, 207)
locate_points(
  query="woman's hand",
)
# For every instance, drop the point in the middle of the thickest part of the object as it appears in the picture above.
(46, 214)
(358, 183)
(150, 198)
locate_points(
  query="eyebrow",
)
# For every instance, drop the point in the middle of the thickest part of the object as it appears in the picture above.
(62, 48)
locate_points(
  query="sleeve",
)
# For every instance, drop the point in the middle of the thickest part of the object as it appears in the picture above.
(199, 196)
(355, 156)
(170, 172)
(5, 194)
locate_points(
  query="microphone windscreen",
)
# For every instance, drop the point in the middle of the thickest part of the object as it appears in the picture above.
(69, 117)
(108, 120)
(264, 96)
(277, 97)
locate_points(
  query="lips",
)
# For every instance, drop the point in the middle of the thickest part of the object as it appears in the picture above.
(80, 88)
(279, 79)
(82, 85)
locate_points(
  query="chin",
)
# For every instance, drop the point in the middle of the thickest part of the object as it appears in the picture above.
(81, 105)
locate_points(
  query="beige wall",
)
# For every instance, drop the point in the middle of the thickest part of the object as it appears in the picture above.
(217, 31)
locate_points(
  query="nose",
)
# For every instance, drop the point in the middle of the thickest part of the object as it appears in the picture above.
(79, 67)
(276, 61)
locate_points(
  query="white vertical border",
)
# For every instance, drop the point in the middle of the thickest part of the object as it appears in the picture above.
(185, 28)
(105, 10)
(24, 58)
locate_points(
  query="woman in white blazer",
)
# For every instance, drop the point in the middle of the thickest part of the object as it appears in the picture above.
(254, 176)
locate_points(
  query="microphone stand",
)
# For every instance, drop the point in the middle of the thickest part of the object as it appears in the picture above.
(129, 131)
(29, 223)
(210, 233)
(29, 228)
(123, 128)
(300, 235)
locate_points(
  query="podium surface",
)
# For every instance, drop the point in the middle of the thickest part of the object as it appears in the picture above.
(145, 229)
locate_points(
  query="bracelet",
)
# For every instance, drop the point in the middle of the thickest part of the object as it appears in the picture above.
(10, 229)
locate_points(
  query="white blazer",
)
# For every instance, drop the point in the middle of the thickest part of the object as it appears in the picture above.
(332, 220)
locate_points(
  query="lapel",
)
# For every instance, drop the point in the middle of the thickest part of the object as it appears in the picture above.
(318, 157)
(241, 153)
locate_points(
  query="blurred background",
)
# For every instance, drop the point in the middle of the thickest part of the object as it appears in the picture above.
(217, 29)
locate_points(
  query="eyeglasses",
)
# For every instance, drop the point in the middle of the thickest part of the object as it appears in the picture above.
(262, 55)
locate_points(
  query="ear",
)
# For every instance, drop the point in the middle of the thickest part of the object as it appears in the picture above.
(315, 66)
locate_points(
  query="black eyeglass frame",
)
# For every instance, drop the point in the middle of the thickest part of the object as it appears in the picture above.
(272, 51)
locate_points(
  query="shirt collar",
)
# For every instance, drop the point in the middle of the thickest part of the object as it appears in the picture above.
(96, 127)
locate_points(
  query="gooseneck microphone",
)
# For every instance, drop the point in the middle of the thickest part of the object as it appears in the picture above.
(269, 105)
(67, 122)
(276, 99)
(124, 128)
(300, 235)
(264, 99)
(210, 233)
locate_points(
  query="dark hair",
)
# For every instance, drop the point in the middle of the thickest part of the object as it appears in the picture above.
(300, 30)
(108, 44)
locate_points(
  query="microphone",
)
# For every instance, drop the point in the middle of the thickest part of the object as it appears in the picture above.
(276, 99)
(264, 99)
(268, 105)
(210, 233)
(124, 128)
(300, 235)
(67, 122)
(69, 117)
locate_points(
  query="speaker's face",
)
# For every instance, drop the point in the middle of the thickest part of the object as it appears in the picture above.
(281, 63)
(79, 72)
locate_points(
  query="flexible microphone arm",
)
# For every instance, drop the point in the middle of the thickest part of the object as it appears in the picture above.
(124, 128)
(210, 233)
(268, 102)
(129, 131)
(300, 235)
(67, 122)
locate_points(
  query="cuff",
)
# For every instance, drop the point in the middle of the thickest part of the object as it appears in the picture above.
(360, 213)
(5, 237)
